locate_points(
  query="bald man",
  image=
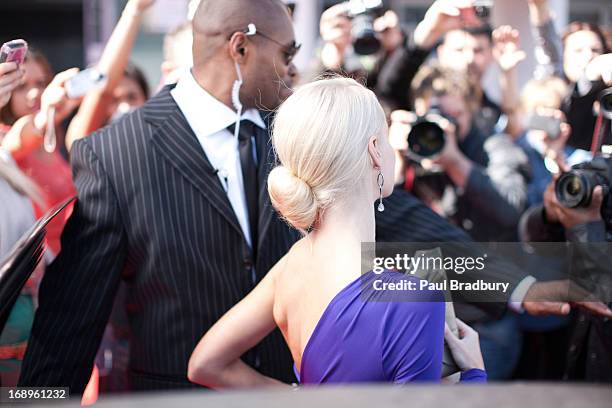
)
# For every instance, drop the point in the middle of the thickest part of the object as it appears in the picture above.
(174, 204)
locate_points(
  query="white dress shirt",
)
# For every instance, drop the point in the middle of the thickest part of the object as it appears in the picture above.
(209, 119)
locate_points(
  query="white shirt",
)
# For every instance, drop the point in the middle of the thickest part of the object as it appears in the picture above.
(209, 119)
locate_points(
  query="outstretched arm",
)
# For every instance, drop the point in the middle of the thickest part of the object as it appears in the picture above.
(92, 113)
(215, 362)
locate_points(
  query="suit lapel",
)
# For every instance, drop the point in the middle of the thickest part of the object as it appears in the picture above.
(176, 143)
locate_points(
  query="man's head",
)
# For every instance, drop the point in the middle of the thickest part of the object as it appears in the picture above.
(448, 90)
(221, 40)
(470, 50)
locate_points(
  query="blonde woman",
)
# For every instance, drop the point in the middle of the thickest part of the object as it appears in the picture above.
(331, 139)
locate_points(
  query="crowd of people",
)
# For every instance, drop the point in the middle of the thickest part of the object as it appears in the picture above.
(216, 235)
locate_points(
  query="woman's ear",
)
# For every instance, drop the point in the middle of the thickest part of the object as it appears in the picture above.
(375, 155)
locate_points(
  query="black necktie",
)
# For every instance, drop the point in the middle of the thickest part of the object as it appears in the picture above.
(249, 175)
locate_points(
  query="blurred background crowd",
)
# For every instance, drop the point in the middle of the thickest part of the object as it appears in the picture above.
(487, 108)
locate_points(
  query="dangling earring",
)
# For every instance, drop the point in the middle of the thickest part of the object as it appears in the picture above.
(380, 179)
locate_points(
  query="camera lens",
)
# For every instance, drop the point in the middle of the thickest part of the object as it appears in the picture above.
(426, 139)
(365, 41)
(572, 189)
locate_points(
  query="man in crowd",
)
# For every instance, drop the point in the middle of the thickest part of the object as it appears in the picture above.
(169, 204)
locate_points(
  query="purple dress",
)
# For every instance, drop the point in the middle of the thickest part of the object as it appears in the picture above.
(368, 335)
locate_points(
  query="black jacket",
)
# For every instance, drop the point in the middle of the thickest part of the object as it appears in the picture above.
(150, 211)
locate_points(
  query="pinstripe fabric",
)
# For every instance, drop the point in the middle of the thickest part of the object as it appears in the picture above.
(407, 219)
(152, 212)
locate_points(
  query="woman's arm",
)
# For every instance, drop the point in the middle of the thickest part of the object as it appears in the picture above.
(26, 134)
(546, 39)
(92, 113)
(216, 362)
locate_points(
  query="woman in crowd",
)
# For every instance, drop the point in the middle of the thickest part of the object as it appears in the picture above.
(338, 328)
(126, 87)
(25, 120)
(582, 56)
(18, 193)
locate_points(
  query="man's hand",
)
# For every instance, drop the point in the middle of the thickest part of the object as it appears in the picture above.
(401, 124)
(571, 217)
(389, 32)
(10, 78)
(555, 298)
(506, 49)
(335, 26)
(335, 29)
(54, 97)
(600, 68)
(442, 17)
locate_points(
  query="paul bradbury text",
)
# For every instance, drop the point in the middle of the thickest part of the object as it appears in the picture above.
(451, 284)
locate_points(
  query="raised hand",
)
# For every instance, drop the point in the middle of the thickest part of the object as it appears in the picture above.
(444, 16)
(10, 78)
(506, 49)
(54, 97)
(600, 68)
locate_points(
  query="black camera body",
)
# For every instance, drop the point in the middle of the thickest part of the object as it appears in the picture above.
(426, 138)
(363, 13)
(575, 188)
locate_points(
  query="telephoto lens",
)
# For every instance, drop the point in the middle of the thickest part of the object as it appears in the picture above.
(426, 138)
(365, 41)
(575, 187)
(363, 13)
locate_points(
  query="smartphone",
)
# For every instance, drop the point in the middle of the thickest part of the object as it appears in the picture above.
(549, 124)
(14, 51)
(83, 82)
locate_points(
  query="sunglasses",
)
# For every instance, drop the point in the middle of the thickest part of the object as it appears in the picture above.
(289, 50)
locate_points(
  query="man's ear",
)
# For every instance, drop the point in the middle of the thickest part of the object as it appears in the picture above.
(238, 47)
(374, 153)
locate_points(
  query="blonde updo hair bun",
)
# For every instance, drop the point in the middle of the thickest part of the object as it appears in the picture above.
(292, 197)
(320, 136)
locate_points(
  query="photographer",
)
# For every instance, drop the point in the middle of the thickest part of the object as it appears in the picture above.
(590, 351)
(582, 57)
(340, 50)
(389, 71)
(475, 181)
(545, 135)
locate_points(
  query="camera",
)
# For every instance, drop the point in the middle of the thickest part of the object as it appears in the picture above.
(363, 13)
(426, 138)
(482, 9)
(575, 187)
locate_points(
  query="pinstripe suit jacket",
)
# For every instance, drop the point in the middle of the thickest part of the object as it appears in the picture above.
(152, 212)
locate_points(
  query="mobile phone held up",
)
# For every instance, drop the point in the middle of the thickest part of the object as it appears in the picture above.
(83, 82)
(14, 51)
(549, 124)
